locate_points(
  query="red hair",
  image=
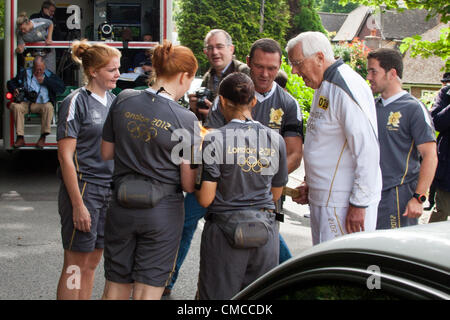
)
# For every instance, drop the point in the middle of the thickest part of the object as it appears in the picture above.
(169, 60)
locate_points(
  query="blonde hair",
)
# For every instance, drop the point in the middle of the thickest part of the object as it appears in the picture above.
(21, 19)
(92, 57)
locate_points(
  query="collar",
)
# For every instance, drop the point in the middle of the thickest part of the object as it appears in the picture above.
(103, 101)
(244, 121)
(261, 97)
(328, 74)
(393, 98)
(161, 94)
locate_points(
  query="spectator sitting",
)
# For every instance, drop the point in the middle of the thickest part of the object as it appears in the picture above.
(46, 85)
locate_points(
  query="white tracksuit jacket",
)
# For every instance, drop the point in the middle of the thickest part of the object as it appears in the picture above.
(341, 151)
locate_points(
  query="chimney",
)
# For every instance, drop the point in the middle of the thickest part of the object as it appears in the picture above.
(373, 41)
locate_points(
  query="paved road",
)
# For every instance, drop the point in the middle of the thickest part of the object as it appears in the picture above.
(31, 254)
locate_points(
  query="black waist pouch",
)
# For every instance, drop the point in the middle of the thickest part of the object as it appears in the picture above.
(135, 191)
(245, 229)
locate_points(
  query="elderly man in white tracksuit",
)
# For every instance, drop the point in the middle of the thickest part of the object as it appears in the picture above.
(341, 151)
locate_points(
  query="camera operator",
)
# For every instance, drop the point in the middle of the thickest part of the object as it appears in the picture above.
(219, 49)
(48, 9)
(35, 91)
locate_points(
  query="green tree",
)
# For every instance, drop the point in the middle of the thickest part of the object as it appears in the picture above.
(419, 47)
(2, 18)
(334, 6)
(304, 17)
(240, 18)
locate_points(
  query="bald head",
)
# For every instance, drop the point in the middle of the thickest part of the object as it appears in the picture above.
(38, 66)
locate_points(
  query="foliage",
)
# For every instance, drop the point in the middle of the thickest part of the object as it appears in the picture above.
(2, 18)
(240, 18)
(425, 49)
(428, 99)
(335, 6)
(305, 18)
(297, 88)
(354, 54)
(434, 7)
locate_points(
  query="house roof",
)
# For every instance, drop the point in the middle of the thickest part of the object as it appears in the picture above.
(399, 25)
(424, 71)
(332, 22)
(352, 24)
(393, 24)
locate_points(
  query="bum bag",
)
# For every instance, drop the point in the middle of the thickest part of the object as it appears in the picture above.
(245, 229)
(135, 191)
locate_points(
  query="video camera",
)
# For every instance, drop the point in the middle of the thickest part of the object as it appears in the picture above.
(202, 94)
(105, 31)
(23, 94)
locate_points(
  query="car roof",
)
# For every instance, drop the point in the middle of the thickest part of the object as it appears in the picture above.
(428, 243)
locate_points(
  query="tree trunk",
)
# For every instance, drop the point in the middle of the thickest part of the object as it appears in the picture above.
(261, 21)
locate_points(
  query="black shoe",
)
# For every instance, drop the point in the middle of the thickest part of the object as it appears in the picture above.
(429, 207)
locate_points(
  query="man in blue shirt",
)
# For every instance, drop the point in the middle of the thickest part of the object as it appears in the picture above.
(35, 91)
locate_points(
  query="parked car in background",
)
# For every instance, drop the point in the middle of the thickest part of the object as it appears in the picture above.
(405, 263)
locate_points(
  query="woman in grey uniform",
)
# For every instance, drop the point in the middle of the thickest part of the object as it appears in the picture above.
(145, 221)
(86, 178)
(240, 238)
(34, 30)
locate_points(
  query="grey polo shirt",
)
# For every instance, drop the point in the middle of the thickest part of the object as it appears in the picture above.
(140, 124)
(403, 124)
(277, 110)
(81, 116)
(241, 179)
(38, 33)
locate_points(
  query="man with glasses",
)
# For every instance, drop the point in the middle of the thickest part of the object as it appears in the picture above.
(219, 49)
(343, 177)
(48, 9)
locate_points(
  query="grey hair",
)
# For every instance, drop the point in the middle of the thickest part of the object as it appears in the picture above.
(213, 32)
(312, 42)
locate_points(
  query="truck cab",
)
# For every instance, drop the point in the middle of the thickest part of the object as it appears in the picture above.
(123, 24)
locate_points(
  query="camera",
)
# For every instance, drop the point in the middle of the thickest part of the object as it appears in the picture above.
(202, 94)
(105, 31)
(23, 94)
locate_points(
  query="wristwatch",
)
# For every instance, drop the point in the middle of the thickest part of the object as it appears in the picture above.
(420, 197)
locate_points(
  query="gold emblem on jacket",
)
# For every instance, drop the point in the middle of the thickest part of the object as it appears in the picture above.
(276, 115)
(394, 119)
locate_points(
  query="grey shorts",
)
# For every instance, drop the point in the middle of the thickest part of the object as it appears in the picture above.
(96, 199)
(392, 206)
(224, 270)
(141, 245)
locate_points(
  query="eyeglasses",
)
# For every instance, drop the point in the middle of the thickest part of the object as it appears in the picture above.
(297, 63)
(218, 47)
